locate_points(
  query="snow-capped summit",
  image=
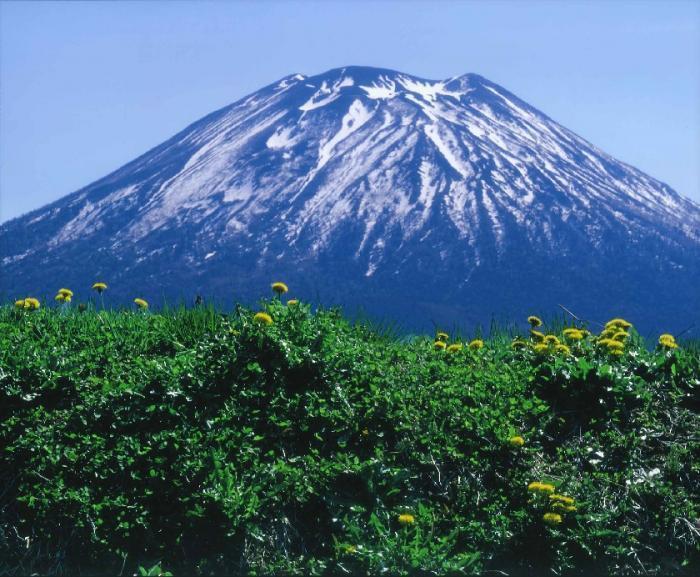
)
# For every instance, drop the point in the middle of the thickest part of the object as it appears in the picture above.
(446, 200)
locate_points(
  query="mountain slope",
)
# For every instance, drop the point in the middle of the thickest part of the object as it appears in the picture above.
(423, 200)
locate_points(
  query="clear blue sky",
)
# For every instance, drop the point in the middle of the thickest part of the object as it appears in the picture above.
(86, 87)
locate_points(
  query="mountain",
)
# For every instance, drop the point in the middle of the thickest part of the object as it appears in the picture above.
(423, 201)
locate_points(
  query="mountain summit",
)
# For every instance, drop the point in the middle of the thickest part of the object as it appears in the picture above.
(426, 201)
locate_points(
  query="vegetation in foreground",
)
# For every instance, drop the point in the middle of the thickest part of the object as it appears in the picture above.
(290, 441)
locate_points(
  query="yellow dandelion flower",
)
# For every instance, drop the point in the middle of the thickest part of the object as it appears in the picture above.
(570, 508)
(440, 336)
(65, 292)
(59, 297)
(536, 335)
(534, 321)
(563, 349)
(292, 302)
(620, 336)
(19, 303)
(31, 303)
(611, 344)
(516, 441)
(573, 334)
(608, 333)
(263, 318)
(540, 348)
(439, 345)
(552, 518)
(616, 352)
(539, 487)
(561, 499)
(100, 287)
(279, 288)
(518, 344)
(406, 519)
(67, 299)
(551, 340)
(668, 341)
(142, 304)
(618, 323)
(476, 344)
(454, 347)
(614, 345)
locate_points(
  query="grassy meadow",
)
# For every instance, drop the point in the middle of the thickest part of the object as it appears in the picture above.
(288, 440)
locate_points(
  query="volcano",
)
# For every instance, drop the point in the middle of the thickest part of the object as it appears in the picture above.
(428, 202)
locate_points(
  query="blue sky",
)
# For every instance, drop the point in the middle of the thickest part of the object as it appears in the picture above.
(86, 87)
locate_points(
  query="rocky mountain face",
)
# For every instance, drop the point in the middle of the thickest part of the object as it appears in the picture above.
(425, 202)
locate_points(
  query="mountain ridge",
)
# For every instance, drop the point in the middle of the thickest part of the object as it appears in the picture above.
(361, 177)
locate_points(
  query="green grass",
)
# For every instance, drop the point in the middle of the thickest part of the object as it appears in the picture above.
(204, 443)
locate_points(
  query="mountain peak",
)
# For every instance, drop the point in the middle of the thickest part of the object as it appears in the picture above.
(368, 178)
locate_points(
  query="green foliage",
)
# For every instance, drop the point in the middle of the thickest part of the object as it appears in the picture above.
(213, 444)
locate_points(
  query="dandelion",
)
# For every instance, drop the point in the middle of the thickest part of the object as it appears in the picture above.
(516, 441)
(540, 348)
(67, 299)
(552, 518)
(555, 497)
(100, 287)
(439, 345)
(31, 304)
(538, 487)
(614, 345)
(406, 519)
(454, 347)
(440, 336)
(563, 349)
(608, 333)
(668, 341)
(573, 334)
(518, 344)
(65, 292)
(616, 352)
(19, 304)
(620, 336)
(59, 297)
(263, 318)
(279, 288)
(292, 302)
(551, 340)
(618, 323)
(476, 344)
(142, 304)
(570, 508)
(534, 321)
(536, 335)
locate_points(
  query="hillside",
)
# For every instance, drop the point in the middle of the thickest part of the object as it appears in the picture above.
(424, 200)
(213, 443)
